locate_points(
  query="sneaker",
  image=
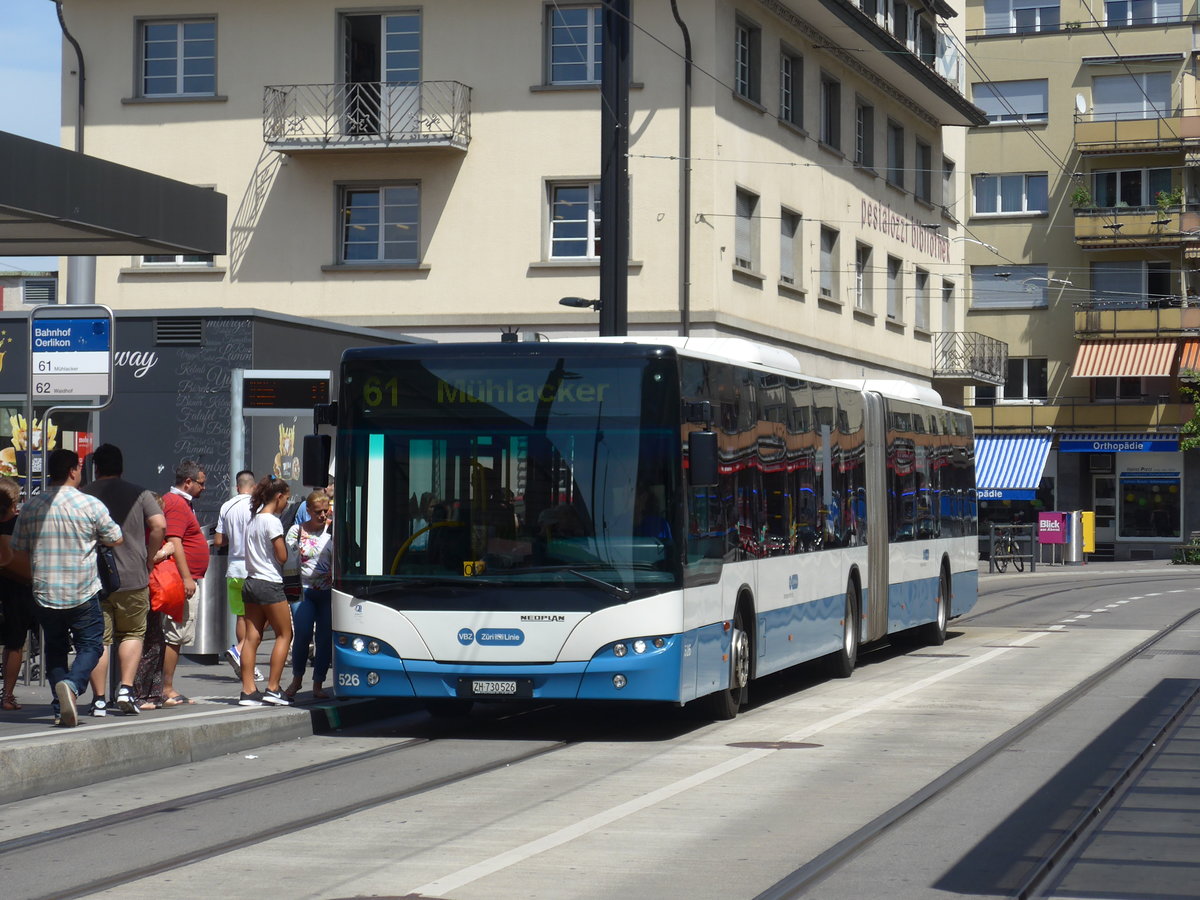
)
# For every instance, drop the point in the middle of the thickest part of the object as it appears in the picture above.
(275, 698)
(126, 701)
(99, 708)
(255, 699)
(258, 675)
(68, 713)
(234, 658)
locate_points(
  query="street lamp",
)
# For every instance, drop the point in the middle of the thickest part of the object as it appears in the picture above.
(580, 303)
(984, 244)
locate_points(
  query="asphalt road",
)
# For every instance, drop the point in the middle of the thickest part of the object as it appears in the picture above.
(933, 772)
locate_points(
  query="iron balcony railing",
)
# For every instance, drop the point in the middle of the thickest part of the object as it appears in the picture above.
(364, 115)
(969, 356)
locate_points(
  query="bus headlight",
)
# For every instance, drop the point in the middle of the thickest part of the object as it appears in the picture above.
(372, 678)
(639, 646)
(359, 644)
(619, 681)
(620, 649)
(373, 647)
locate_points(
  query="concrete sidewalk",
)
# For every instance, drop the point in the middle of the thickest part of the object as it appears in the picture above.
(36, 758)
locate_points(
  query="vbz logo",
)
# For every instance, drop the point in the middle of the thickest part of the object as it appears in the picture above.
(465, 636)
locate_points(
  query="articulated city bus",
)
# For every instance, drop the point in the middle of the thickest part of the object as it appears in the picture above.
(649, 520)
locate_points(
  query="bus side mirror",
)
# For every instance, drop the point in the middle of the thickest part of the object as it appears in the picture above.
(314, 466)
(702, 458)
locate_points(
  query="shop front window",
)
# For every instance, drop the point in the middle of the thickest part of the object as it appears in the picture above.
(1151, 506)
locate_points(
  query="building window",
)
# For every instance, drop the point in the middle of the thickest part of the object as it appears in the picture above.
(1142, 12)
(921, 300)
(1008, 287)
(862, 277)
(895, 299)
(575, 220)
(1011, 194)
(1140, 95)
(575, 44)
(829, 263)
(864, 135)
(947, 305)
(789, 246)
(831, 112)
(895, 151)
(1117, 390)
(1151, 505)
(178, 259)
(949, 191)
(745, 240)
(791, 89)
(1130, 187)
(747, 60)
(179, 59)
(1012, 101)
(1026, 380)
(1020, 16)
(381, 224)
(1134, 284)
(924, 173)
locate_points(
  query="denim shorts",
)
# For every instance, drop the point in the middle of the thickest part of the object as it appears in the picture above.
(264, 593)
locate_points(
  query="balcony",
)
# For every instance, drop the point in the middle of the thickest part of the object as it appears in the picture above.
(1105, 134)
(1164, 317)
(366, 116)
(1110, 228)
(1070, 413)
(967, 357)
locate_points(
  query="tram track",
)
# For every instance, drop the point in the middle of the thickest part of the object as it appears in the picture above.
(826, 864)
(1069, 588)
(243, 803)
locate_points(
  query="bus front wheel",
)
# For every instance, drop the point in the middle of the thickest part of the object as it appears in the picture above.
(724, 704)
(934, 633)
(842, 662)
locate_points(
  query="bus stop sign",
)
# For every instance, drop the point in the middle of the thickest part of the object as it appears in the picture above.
(70, 353)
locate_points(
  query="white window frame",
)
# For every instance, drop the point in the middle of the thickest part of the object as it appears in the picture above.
(590, 52)
(992, 186)
(747, 60)
(830, 274)
(180, 58)
(1004, 394)
(791, 87)
(1149, 96)
(831, 111)
(746, 230)
(1021, 16)
(791, 225)
(346, 191)
(200, 261)
(561, 213)
(863, 288)
(1012, 102)
(1164, 11)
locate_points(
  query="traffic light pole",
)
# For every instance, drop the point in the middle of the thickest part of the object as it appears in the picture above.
(614, 171)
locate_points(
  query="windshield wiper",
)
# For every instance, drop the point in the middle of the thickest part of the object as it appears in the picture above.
(398, 584)
(615, 589)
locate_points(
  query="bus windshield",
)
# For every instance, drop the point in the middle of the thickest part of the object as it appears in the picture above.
(537, 472)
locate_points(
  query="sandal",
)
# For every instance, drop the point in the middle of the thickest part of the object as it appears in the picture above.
(9, 703)
(293, 688)
(177, 700)
(319, 693)
(149, 705)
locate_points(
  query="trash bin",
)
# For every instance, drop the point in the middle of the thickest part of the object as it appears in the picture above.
(212, 609)
(1073, 548)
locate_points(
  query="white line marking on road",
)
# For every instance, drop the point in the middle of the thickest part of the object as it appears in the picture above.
(1084, 616)
(1099, 610)
(1058, 627)
(1120, 602)
(482, 869)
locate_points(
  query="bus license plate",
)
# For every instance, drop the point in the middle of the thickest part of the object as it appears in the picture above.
(495, 687)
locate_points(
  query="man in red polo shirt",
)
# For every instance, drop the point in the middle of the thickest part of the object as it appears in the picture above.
(189, 548)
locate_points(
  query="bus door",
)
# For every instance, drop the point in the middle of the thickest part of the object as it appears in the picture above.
(877, 527)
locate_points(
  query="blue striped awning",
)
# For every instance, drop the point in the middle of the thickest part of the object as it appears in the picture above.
(1013, 462)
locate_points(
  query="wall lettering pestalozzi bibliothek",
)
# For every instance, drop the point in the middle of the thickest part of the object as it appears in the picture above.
(905, 229)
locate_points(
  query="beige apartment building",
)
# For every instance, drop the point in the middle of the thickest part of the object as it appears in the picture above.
(434, 168)
(1084, 199)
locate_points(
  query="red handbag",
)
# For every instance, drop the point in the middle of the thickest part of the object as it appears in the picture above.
(166, 589)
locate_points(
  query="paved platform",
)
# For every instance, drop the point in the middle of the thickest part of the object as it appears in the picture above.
(37, 758)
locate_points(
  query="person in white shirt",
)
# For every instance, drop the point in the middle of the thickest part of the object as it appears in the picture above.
(232, 522)
(262, 591)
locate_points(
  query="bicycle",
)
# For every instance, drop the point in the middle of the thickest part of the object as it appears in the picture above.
(1009, 551)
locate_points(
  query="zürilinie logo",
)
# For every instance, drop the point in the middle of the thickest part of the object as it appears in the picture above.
(499, 390)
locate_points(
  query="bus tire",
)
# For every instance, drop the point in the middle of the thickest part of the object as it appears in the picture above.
(448, 707)
(725, 703)
(934, 633)
(842, 662)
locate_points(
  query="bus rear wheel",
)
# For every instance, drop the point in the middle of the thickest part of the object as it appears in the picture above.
(934, 633)
(842, 662)
(724, 704)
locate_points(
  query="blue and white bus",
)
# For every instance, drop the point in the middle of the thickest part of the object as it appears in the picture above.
(619, 519)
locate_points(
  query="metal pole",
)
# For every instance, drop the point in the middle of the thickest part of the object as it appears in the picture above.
(614, 171)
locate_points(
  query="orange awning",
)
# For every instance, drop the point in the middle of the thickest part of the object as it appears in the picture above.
(1189, 358)
(1124, 359)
